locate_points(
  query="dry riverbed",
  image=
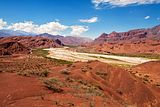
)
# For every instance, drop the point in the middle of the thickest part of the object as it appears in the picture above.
(65, 54)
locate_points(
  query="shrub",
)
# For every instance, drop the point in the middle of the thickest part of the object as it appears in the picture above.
(44, 73)
(50, 84)
(53, 88)
(65, 72)
(29, 73)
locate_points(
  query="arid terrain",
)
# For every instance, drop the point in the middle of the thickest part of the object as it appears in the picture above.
(33, 81)
(79, 53)
(133, 42)
(67, 54)
(37, 71)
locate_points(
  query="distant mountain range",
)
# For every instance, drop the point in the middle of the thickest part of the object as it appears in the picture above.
(7, 32)
(132, 35)
(68, 40)
(132, 42)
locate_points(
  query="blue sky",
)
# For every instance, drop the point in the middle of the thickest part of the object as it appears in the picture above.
(78, 17)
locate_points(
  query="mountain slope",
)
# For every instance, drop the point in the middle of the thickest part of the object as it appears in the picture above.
(132, 35)
(132, 42)
(33, 41)
(68, 40)
(5, 32)
(9, 48)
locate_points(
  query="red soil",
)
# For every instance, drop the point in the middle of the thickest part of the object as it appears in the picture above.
(19, 91)
(80, 84)
(149, 70)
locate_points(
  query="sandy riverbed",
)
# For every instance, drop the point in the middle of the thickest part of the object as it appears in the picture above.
(65, 54)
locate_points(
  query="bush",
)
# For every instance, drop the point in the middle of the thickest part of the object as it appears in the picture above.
(50, 84)
(29, 73)
(65, 72)
(53, 88)
(44, 73)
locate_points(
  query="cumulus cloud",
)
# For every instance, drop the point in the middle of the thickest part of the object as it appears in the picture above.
(28, 26)
(2, 24)
(78, 30)
(54, 28)
(147, 17)
(91, 20)
(121, 3)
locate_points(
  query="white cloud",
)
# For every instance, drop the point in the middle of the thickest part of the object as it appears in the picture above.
(121, 3)
(78, 30)
(2, 24)
(53, 28)
(147, 17)
(91, 20)
(28, 26)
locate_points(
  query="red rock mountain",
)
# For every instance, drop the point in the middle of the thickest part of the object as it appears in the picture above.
(68, 40)
(33, 41)
(131, 42)
(132, 35)
(9, 48)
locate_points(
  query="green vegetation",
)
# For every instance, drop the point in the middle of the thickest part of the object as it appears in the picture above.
(29, 73)
(100, 57)
(44, 53)
(125, 66)
(105, 58)
(110, 59)
(53, 88)
(40, 52)
(149, 56)
(65, 72)
(59, 61)
(88, 88)
(53, 84)
(143, 55)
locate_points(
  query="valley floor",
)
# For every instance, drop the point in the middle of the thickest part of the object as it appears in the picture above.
(35, 80)
(69, 55)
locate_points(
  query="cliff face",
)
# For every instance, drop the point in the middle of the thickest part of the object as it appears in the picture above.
(132, 35)
(33, 41)
(9, 48)
(133, 41)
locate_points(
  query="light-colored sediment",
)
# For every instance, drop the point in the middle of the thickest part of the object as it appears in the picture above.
(65, 54)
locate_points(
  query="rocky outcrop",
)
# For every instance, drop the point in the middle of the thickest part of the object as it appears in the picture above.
(34, 41)
(12, 47)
